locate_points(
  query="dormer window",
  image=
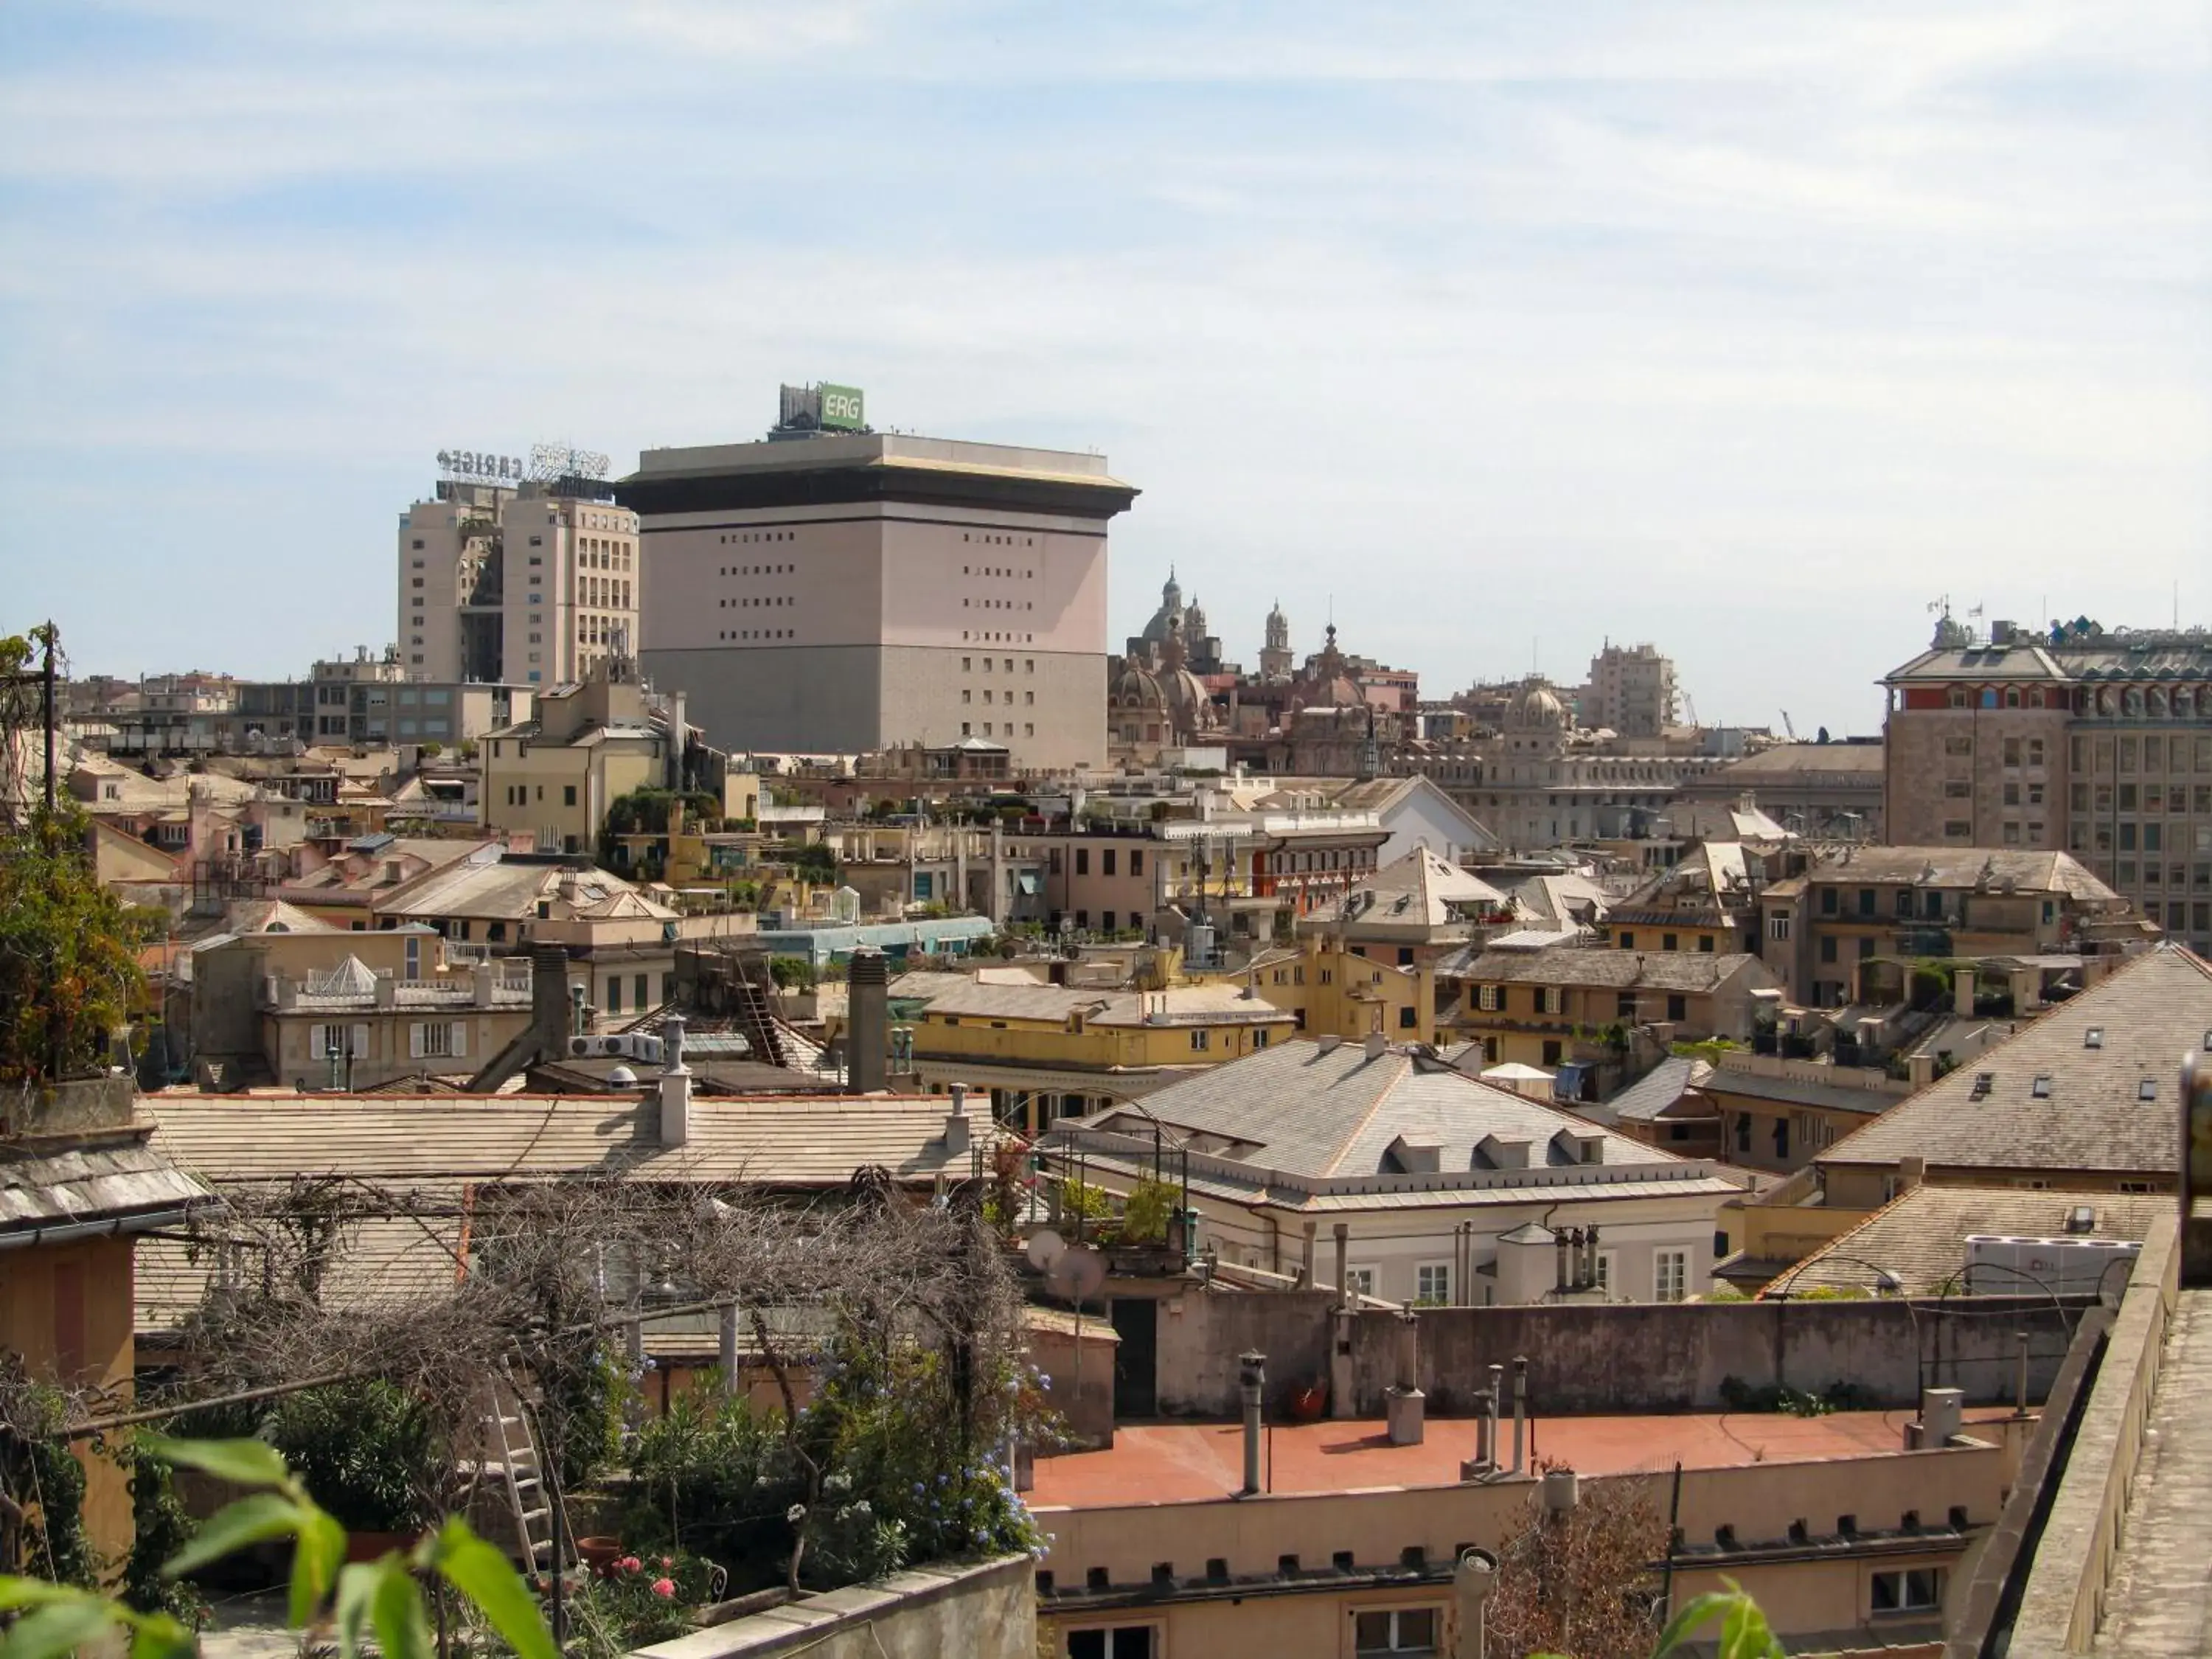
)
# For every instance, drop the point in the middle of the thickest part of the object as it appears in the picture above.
(2040, 1089)
(2147, 1089)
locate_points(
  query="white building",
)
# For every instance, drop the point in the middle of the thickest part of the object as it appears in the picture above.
(1448, 1190)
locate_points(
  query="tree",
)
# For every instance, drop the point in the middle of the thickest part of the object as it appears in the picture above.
(1582, 1581)
(69, 962)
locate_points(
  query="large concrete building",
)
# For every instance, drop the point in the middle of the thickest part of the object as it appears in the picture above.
(848, 591)
(2098, 743)
(1631, 692)
(531, 585)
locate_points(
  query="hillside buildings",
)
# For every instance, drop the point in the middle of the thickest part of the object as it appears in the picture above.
(2093, 741)
(841, 592)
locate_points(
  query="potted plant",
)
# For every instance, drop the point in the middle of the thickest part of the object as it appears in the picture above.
(366, 1452)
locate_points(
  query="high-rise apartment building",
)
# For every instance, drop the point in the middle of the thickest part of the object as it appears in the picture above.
(2097, 743)
(1632, 691)
(837, 592)
(530, 585)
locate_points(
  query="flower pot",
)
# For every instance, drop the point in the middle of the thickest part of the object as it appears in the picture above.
(600, 1554)
(1308, 1403)
(374, 1545)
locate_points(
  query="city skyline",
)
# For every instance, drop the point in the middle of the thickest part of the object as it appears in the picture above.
(1495, 339)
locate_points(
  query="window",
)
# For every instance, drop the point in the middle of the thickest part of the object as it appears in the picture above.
(568, 794)
(1200, 1040)
(438, 1040)
(1083, 860)
(1628, 941)
(1778, 929)
(1918, 1589)
(1433, 1283)
(1105, 854)
(1136, 860)
(1678, 1008)
(1670, 1272)
(1396, 1630)
(1114, 1642)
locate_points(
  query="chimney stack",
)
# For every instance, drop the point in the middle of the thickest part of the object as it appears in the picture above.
(1252, 1379)
(867, 1021)
(1962, 988)
(675, 1085)
(1378, 1045)
(549, 999)
(956, 1121)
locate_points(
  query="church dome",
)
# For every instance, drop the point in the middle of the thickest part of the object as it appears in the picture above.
(1134, 687)
(1168, 614)
(1535, 709)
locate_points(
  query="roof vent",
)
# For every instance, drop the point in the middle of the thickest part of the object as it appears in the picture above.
(2094, 1037)
(1984, 1082)
(2040, 1089)
(2147, 1089)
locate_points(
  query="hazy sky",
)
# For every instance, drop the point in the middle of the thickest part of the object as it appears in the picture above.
(1749, 329)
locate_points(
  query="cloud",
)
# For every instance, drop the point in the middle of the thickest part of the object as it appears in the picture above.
(1735, 326)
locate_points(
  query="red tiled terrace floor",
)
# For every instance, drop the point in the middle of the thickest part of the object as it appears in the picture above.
(1180, 1463)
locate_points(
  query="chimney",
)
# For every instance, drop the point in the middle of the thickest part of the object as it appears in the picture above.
(675, 1085)
(1406, 1406)
(481, 979)
(1378, 1045)
(1252, 1380)
(1327, 1042)
(1911, 1169)
(1962, 993)
(867, 1021)
(1590, 1259)
(549, 999)
(1940, 1416)
(1473, 1581)
(387, 991)
(956, 1121)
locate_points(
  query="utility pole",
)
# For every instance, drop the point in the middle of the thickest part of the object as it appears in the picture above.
(47, 679)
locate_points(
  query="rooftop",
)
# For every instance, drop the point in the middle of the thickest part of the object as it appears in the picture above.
(2087, 1086)
(1921, 1238)
(1620, 971)
(1997, 869)
(1193, 1463)
(1314, 1115)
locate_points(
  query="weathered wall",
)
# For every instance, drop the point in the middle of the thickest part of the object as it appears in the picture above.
(1199, 1343)
(1621, 1358)
(987, 1612)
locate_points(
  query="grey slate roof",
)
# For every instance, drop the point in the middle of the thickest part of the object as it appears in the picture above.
(1922, 1236)
(1602, 969)
(1799, 1092)
(1646, 1099)
(2147, 1013)
(113, 1182)
(1309, 1111)
(1989, 868)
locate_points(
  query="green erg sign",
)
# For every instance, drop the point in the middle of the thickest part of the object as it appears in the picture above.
(842, 408)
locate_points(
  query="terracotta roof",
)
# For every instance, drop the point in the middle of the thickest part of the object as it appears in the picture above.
(2068, 1093)
(1983, 867)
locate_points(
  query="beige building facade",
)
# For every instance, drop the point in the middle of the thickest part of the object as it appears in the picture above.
(852, 592)
(2096, 742)
(527, 585)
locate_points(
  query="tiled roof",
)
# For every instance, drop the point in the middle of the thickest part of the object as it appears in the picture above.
(1922, 1236)
(1419, 890)
(1204, 1005)
(1648, 1098)
(93, 1183)
(1786, 759)
(1599, 969)
(2146, 1014)
(1307, 1110)
(1982, 867)
(803, 1142)
(1789, 1090)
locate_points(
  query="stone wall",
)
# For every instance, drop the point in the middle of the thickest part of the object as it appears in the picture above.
(1629, 1358)
(986, 1612)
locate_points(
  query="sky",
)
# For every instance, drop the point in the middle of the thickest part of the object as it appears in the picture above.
(1492, 330)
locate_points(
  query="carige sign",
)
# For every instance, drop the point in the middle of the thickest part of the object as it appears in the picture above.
(823, 408)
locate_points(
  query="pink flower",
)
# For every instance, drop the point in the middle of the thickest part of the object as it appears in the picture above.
(667, 1560)
(664, 1587)
(629, 1564)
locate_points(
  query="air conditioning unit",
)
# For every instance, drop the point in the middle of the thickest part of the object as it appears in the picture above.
(623, 1045)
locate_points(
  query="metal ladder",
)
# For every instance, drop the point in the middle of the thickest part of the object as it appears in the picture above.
(530, 1501)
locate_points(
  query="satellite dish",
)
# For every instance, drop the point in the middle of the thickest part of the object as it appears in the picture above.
(1077, 1274)
(1046, 1248)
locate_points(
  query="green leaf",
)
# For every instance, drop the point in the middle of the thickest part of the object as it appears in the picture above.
(58, 1629)
(316, 1558)
(248, 1463)
(403, 1629)
(486, 1579)
(1713, 1604)
(33, 1593)
(160, 1637)
(357, 1583)
(249, 1520)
